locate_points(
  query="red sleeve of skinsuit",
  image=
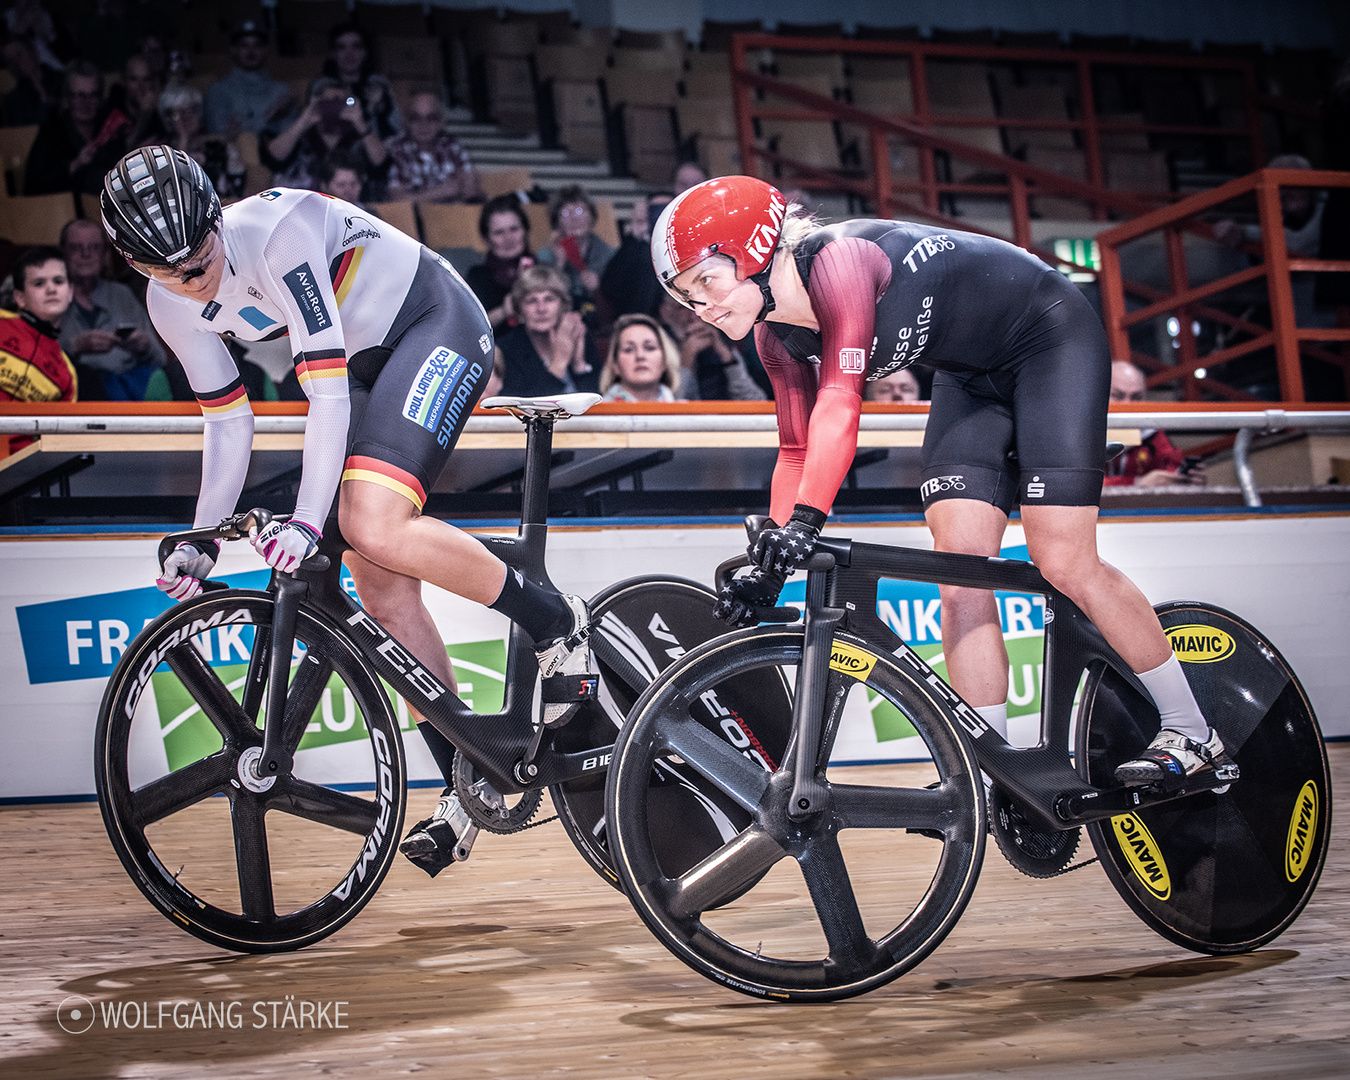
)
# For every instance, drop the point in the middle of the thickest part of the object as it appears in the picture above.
(848, 277)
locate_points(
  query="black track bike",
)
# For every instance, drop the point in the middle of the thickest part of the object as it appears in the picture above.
(244, 730)
(841, 887)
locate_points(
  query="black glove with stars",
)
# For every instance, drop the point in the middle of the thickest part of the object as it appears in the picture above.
(782, 550)
(741, 599)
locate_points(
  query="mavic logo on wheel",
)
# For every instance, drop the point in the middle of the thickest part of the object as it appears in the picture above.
(1301, 828)
(852, 661)
(1141, 852)
(1201, 644)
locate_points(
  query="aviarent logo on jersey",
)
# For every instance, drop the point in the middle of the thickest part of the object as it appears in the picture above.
(304, 287)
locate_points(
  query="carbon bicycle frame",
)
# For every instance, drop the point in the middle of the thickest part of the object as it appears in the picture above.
(1041, 778)
(494, 742)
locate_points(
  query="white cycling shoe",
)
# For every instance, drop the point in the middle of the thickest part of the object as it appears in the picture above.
(570, 676)
(1171, 759)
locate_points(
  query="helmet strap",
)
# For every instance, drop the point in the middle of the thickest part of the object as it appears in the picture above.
(762, 280)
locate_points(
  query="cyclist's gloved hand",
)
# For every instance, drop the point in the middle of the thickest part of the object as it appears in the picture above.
(782, 550)
(741, 597)
(186, 566)
(284, 545)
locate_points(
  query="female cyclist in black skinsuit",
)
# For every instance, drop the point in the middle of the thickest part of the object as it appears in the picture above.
(1021, 364)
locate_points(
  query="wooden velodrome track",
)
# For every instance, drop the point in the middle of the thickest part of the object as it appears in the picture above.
(520, 964)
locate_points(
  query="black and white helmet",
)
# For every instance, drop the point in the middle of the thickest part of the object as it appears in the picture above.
(158, 206)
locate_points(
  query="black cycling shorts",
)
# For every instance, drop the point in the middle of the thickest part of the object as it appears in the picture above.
(411, 397)
(1032, 430)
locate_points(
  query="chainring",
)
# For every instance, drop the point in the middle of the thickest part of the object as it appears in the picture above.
(1035, 852)
(488, 808)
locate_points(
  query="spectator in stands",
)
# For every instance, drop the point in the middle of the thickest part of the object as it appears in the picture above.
(106, 331)
(711, 367)
(629, 283)
(643, 363)
(28, 21)
(506, 230)
(248, 98)
(180, 108)
(331, 122)
(426, 162)
(550, 351)
(688, 174)
(37, 88)
(32, 365)
(898, 388)
(1155, 462)
(138, 98)
(575, 249)
(341, 177)
(75, 147)
(349, 63)
(1332, 291)
(1301, 209)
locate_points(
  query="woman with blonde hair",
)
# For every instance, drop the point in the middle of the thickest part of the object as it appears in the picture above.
(550, 351)
(643, 362)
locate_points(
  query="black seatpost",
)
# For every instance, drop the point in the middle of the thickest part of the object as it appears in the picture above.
(538, 455)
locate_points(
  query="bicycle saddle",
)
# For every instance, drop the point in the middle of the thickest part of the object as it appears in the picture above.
(559, 405)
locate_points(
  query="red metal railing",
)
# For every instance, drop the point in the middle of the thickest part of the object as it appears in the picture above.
(1022, 179)
(1290, 341)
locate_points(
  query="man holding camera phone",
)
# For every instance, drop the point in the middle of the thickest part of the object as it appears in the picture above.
(106, 331)
(332, 122)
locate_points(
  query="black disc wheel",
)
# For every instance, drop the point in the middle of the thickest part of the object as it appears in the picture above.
(248, 863)
(1217, 872)
(640, 627)
(825, 907)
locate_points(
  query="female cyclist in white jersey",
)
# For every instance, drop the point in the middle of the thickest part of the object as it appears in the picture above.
(392, 350)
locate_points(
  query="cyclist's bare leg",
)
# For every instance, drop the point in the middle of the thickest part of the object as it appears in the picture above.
(395, 600)
(389, 531)
(972, 640)
(1062, 542)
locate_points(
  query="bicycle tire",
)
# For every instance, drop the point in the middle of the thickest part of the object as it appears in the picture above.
(652, 621)
(1217, 872)
(148, 771)
(915, 891)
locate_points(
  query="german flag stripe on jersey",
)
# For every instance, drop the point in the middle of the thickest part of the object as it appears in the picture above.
(343, 272)
(375, 471)
(324, 364)
(225, 400)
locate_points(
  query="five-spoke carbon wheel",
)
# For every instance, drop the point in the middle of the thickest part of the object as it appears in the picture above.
(1217, 872)
(833, 904)
(255, 864)
(639, 628)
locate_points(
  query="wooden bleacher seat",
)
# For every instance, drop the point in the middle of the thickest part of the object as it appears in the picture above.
(501, 181)
(649, 133)
(708, 75)
(450, 225)
(812, 142)
(1044, 102)
(571, 63)
(1136, 170)
(885, 97)
(648, 61)
(1069, 163)
(35, 219)
(672, 41)
(15, 142)
(401, 215)
(518, 38)
(708, 117)
(879, 67)
(815, 30)
(629, 86)
(716, 36)
(580, 114)
(806, 69)
(408, 58)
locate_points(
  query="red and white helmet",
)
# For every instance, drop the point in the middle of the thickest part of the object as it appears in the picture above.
(737, 216)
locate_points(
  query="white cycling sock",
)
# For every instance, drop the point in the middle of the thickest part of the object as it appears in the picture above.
(996, 716)
(1176, 704)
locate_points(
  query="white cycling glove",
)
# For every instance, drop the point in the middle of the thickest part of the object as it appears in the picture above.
(284, 545)
(186, 566)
